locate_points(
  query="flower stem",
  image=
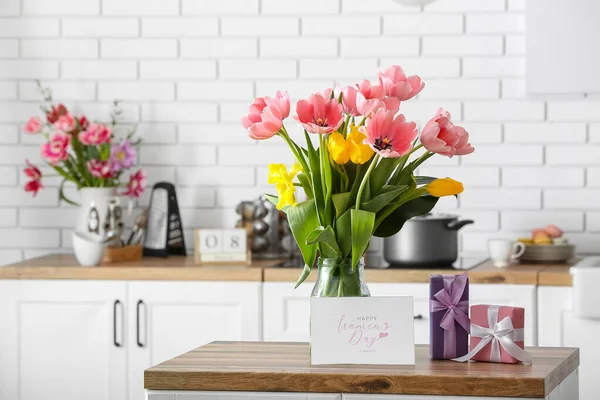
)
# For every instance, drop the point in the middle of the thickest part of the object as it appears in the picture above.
(362, 122)
(365, 179)
(297, 153)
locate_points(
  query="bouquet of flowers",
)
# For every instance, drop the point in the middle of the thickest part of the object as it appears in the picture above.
(360, 181)
(83, 152)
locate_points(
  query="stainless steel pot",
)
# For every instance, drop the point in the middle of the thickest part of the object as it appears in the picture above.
(429, 240)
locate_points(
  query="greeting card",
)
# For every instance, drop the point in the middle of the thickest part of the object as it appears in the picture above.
(362, 330)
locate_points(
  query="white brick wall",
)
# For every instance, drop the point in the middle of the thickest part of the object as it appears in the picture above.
(188, 69)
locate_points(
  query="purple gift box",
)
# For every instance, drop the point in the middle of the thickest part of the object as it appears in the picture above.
(449, 316)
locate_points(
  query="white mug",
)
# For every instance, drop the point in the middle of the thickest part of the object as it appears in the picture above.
(504, 251)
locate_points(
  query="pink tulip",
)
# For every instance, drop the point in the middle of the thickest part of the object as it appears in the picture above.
(319, 113)
(388, 136)
(281, 101)
(369, 98)
(65, 123)
(34, 125)
(95, 134)
(349, 95)
(264, 121)
(397, 84)
(441, 136)
(55, 150)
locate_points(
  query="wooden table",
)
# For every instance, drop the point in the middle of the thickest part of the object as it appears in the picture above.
(239, 368)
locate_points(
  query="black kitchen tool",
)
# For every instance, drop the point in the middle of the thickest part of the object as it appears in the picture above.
(164, 234)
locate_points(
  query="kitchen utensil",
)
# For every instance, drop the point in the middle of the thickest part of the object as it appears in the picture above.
(109, 237)
(504, 251)
(122, 254)
(549, 253)
(88, 248)
(428, 241)
(140, 223)
(164, 234)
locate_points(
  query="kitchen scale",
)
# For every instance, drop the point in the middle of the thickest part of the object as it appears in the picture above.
(164, 234)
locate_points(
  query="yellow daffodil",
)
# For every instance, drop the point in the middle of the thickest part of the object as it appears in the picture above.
(338, 148)
(279, 176)
(445, 187)
(359, 152)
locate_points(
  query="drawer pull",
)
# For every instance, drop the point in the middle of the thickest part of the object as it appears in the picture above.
(418, 316)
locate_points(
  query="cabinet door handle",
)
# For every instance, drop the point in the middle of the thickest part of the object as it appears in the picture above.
(115, 305)
(418, 316)
(137, 321)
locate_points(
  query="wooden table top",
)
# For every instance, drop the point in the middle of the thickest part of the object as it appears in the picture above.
(178, 268)
(285, 367)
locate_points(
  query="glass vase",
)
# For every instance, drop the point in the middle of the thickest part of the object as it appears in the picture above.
(337, 279)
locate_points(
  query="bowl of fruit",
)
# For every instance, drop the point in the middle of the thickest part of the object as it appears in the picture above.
(547, 245)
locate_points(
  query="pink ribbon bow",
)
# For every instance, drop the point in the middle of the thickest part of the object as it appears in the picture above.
(448, 299)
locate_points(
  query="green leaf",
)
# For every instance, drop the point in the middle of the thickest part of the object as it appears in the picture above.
(305, 273)
(303, 219)
(424, 180)
(273, 199)
(360, 173)
(386, 195)
(61, 194)
(303, 179)
(382, 173)
(339, 201)
(327, 180)
(344, 233)
(313, 159)
(362, 230)
(325, 236)
(413, 208)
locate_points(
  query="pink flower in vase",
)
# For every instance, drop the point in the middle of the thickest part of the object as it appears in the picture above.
(349, 97)
(388, 136)
(95, 134)
(83, 123)
(66, 123)
(33, 125)
(369, 98)
(55, 150)
(55, 112)
(99, 168)
(319, 113)
(136, 184)
(35, 184)
(441, 136)
(397, 84)
(265, 116)
(122, 155)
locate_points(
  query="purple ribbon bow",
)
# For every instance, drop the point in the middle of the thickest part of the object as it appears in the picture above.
(448, 299)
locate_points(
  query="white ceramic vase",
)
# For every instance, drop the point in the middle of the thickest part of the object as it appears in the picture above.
(97, 197)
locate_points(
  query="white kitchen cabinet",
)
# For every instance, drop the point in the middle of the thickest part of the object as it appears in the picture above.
(63, 340)
(558, 327)
(167, 319)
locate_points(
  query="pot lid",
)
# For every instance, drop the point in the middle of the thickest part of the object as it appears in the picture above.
(435, 217)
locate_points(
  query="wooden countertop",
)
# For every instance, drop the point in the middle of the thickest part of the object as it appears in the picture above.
(177, 268)
(522, 274)
(285, 367)
(173, 268)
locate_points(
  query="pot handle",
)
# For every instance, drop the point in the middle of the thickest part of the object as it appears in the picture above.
(456, 225)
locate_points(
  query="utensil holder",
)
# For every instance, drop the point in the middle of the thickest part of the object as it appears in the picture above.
(123, 254)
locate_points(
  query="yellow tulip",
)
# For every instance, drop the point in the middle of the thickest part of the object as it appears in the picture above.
(360, 153)
(445, 187)
(338, 148)
(279, 176)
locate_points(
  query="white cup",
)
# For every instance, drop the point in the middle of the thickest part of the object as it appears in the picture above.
(504, 251)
